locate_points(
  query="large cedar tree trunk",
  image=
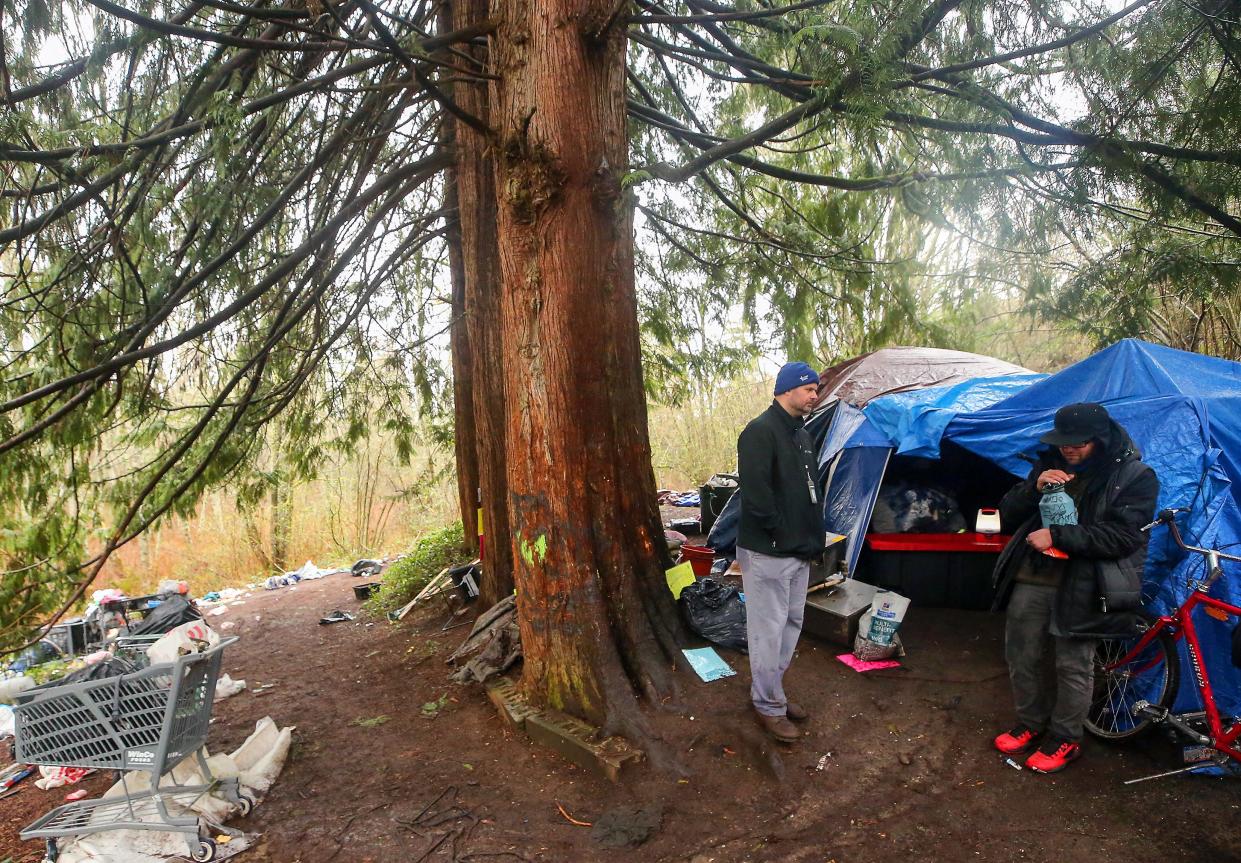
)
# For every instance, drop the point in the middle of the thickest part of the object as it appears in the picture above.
(597, 623)
(484, 404)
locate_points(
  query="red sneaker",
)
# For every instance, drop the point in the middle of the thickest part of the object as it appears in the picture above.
(1053, 756)
(1018, 740)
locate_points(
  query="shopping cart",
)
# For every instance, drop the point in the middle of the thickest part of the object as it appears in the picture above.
(149, 720)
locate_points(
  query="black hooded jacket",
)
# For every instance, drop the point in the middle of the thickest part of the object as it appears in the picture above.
(1119, 498)
(780, 514)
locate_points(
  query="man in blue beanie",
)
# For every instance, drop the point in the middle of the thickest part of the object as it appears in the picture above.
(781, 530)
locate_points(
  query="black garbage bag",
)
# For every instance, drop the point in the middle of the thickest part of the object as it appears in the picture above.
(723, 536)
(113, 667)
(367, 567)
(169, 614)
(716, 612)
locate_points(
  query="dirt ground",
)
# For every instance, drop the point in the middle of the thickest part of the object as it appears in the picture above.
(895, 764)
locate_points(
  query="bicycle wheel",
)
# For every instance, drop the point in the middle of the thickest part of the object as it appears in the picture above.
(1122, 680)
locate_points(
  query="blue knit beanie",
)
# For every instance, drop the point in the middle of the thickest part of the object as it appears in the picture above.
(794, 375)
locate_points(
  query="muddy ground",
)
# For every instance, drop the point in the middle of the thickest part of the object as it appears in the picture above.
(896, 764)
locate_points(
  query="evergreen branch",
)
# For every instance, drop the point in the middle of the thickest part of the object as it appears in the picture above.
(723, 13)
(1034, 50)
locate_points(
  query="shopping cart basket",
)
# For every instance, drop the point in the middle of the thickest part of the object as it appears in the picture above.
(149, 720)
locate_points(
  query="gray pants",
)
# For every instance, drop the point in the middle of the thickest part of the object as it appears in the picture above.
(775, 605)
(1056, 706)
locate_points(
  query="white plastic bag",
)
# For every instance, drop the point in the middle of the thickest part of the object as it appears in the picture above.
(190, 637)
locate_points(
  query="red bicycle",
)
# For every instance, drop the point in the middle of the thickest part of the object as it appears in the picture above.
(1137, 678)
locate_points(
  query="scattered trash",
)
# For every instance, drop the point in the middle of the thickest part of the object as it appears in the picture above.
(627, 826)
(80, 794)
(863, 665)
(13, 774)
(707, 664)
(226, 687)
(213, 596)
(679, 577)
(228, 624)
(716, 612)
(822, 765)
(668, 497)
(189, 637)
(218, 610)
(6, 721)
(365, 591)
(257, 763)
(168, 615)
(55, 777)
(10, 688)
(494, 643)
(1012, 763)
(366, 567)
(675, 539)
(306, 573)
(337, 616)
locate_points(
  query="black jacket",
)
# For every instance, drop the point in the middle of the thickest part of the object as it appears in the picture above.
(1119, 498)
(775, 458)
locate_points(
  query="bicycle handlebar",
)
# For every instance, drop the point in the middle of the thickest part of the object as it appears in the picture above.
(1168, 517)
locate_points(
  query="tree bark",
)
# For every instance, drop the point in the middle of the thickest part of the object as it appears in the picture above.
(465, 442)
(483, 405)
(597, 622)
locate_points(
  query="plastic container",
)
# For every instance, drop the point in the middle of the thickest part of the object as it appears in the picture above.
(700, 558)
(1056, 507)
(364, 591)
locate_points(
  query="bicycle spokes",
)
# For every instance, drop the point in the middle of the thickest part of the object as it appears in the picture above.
(1123, 679)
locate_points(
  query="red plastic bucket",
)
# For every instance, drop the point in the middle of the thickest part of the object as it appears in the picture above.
(700, 557)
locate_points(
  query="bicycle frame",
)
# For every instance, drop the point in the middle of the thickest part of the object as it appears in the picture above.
(1180, 624)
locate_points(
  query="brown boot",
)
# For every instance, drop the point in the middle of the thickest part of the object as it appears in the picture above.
(778, 727)
(795, 711)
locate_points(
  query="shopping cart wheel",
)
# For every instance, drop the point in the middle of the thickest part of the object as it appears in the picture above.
(205, 852)
(245, 805)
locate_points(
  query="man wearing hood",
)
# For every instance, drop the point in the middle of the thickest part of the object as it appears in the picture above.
(1061, 603)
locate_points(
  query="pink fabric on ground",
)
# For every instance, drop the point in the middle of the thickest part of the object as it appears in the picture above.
(863, 665)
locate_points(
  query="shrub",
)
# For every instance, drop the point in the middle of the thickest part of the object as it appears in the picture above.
(429, 556)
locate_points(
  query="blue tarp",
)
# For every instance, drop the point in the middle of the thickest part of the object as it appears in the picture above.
(856, 449)
(1184, 412)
